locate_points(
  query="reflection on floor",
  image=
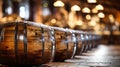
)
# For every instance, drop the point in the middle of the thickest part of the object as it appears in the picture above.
(103, 56)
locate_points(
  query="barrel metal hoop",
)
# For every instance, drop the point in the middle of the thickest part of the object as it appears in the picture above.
(53, 42)
(90, 41)
(16, 42)
(1, 31)
(1, 36)
(43, 43)
(75, 44)
(84, 43)
(25, 41)
(67, 49)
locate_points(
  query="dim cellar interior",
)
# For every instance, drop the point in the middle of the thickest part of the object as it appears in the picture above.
(78, 33)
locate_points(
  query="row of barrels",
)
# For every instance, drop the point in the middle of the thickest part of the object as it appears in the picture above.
(31, 43)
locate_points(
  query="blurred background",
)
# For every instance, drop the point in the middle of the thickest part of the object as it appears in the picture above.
(99, 16)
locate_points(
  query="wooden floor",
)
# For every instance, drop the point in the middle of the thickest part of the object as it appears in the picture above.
(102, 56)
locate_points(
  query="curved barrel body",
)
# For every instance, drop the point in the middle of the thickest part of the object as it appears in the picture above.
(30, 43)
(22, 43)
(65, 46)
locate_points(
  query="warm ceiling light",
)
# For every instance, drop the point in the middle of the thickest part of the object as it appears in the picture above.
(96, 18)
(53, 21)
(79, 22)
(75, 8)
(99, 7)
(94, 10)
(101, 15)
(111, 17)
(92, 23)
(88, 17)
(86, 10)
(91, 1)
(58, 3)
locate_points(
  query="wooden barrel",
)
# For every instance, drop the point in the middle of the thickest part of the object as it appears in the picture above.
(23, 43)
(30, 43)
(65, 45)
(80, 43)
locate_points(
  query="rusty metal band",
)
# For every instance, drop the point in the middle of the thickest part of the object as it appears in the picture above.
(1, 36)
(25, 41)
(43, 43)
(66, 41)
(1, 31)
(16, 42)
